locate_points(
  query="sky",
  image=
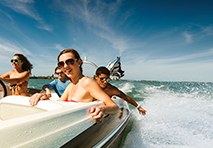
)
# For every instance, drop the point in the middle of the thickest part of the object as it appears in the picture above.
(164, 40)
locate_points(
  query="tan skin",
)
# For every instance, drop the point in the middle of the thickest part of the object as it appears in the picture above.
(111, 90)
(82, 89)
(17, 76)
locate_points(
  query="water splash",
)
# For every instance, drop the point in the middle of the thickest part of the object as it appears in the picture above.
(179, 115)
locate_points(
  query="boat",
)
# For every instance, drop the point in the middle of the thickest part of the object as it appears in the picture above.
(57, 124)
(53, 123)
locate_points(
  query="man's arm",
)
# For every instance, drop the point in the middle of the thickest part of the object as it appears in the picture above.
(47, 90)
(34, 99)
(122, 95)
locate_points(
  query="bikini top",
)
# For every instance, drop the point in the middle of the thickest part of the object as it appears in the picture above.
(20, 84)
(71, 100)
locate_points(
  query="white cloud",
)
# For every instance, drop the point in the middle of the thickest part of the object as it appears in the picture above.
(117, 42)
(26, 7)
(4, 48)
(8, 48)
(208, 30)
(182, 58)
(187, 36)
(194, 71)
(44, 26)
(7, 15)
(97, 20)
(23, 7)
(59, 47)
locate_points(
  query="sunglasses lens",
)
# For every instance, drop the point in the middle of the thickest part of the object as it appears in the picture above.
(59, 73)
(70, 61)
(14, 60)
(104, 79)
(60, 64)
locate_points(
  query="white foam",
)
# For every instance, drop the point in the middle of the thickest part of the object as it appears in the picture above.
(127, 87)
(173, 120)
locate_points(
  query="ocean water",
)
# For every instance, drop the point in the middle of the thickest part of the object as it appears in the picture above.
(179, 114)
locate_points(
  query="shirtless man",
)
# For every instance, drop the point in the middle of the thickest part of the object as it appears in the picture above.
(102, 77)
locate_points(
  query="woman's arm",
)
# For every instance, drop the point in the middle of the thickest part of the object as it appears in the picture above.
(23, 76)
(6, 75)
(95, 91)
(34, 99)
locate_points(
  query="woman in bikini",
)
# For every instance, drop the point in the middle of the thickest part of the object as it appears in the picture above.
(81, 88)
(18, 79)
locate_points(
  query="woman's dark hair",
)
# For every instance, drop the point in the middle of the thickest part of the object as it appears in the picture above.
(74, 52)
(26, 66)
(102, 70)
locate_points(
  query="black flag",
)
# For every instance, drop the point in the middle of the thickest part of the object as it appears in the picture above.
(115, 68)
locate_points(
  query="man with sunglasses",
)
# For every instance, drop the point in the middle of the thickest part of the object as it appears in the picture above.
(59, 85)
(102, 77)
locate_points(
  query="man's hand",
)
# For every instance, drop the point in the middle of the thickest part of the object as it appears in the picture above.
(142, 111)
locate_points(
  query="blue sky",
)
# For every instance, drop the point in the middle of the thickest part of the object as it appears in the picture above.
(166, 40)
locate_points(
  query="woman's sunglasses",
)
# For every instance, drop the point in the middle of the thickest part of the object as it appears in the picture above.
(59, 73)
(68, 62)
(105, 79)
(15, 60)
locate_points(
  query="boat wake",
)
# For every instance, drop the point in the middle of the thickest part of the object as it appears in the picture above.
(175, 118)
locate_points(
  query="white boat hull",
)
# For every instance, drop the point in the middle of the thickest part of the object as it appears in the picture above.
(52, 124)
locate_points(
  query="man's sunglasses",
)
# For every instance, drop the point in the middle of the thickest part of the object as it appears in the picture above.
(68, 62)
(15, 60)
(105, 79)
(59, 73)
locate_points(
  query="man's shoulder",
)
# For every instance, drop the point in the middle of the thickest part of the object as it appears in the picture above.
(50, 85)
(111, 90)
(112, 87)
(55, 81)
(58, 82)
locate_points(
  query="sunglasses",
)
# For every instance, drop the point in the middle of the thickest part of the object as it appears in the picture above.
(105, 79)
(15, 60)
(68, 62)
(59, 73)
